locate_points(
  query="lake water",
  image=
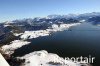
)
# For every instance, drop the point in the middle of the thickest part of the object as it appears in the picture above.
(82, 40)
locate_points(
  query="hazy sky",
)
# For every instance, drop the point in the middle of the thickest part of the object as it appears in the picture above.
(18, 9)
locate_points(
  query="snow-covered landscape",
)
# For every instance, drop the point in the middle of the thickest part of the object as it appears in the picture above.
(47, 32)
(9, 49)
(41, 58)
(16, 34)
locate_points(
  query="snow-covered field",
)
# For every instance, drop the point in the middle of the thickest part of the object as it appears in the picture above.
(43, 58)
(9, 49)
(34, 34)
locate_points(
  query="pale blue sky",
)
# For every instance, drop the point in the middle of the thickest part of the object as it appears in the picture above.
(19, 9)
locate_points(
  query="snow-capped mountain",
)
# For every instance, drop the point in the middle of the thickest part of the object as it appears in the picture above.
(63, 16)
(15, 34)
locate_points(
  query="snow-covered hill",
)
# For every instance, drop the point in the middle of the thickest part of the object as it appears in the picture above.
(43, 58)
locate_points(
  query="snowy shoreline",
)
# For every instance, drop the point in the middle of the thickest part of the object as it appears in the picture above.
(34, 34)
(9, 49)
(39, 58)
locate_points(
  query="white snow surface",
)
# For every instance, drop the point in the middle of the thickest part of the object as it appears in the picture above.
(43, 58)
(6, 25)
(34, 34)
(17, 34)
(63, 27)
(9, 49)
